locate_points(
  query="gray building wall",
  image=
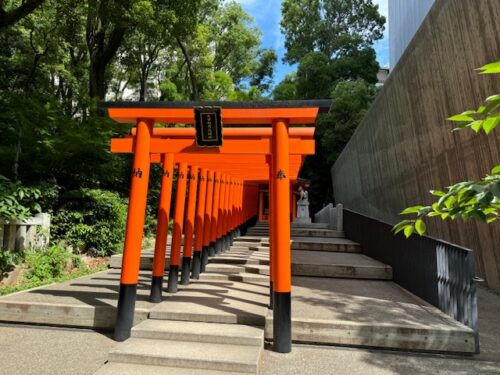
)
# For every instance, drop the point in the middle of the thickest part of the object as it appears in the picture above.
(405, 17)
(404, 146)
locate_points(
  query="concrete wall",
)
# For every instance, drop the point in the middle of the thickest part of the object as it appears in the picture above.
(404, 146)
(405, 17)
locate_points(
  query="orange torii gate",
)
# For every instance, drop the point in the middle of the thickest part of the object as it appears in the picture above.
(222, 184)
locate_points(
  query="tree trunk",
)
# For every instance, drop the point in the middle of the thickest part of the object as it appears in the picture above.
(192, 77)
(102, 43)
(142, 89)
(16, 14)
(15, 166)
(97, 84)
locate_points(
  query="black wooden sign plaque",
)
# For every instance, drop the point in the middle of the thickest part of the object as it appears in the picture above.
(208, 123)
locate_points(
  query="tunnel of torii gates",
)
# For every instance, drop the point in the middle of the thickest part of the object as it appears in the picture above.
(222, 187)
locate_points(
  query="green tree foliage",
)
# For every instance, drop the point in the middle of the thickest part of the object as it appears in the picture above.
(331, 41)
(332, 27)
(58, 58)
(350, 102)
(13, 11)
(286, 89)
(478, 200)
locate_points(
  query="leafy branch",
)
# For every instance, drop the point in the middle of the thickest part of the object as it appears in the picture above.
(18, 202)
(478, 200)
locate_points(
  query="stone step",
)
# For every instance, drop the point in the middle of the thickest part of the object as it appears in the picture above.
(89, 302)
(235, 259)
(217, 302)
(338, 265)
(310, 225)
(116, 368)
(370, 313)
(247, 239)
(245, 243)
(317, 244)
(237, 268)
(146, 262)
(196, 355)
(324, 244)
(241, 277)
(217, 333)
(327, 233)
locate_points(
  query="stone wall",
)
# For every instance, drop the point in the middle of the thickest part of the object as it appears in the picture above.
(404, 146)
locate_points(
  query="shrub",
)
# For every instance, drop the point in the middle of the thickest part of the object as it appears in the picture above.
(50, 263)
(91, 219)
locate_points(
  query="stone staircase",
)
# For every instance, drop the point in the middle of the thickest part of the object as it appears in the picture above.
(214, 325)
(218, 323)
(341, 296)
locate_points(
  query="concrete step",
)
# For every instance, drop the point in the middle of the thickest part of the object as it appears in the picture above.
(327, 233)
(241, 277)
(324, 244)
(317, 244)
(217, 302)
(339, 265)
(370, 313)
(263, 235)
(237, 268)
(299, 232)
(196, 355)
(247, 239)
(230, 334)
(146, 262)
(89, 302)
(310, 226)
(134, 369)
(238, 259)
(245, 243)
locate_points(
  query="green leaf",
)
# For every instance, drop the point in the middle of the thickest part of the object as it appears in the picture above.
(464, 116)
(493, 98)
(490, 123)
(478, 215)
(420, 227)
(401, 225)
(438, 193)
(409, 231)
(495, 190)
(411, 210)
(488, 197)
(496, 170)
(476, 125)
(493, 68)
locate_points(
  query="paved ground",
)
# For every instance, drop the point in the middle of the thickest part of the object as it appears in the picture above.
(40, 350)
(26, 350)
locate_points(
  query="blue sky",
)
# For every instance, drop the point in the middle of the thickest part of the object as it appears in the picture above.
(267, 16)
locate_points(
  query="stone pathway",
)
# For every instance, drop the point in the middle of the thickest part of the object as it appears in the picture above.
(219, 323)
